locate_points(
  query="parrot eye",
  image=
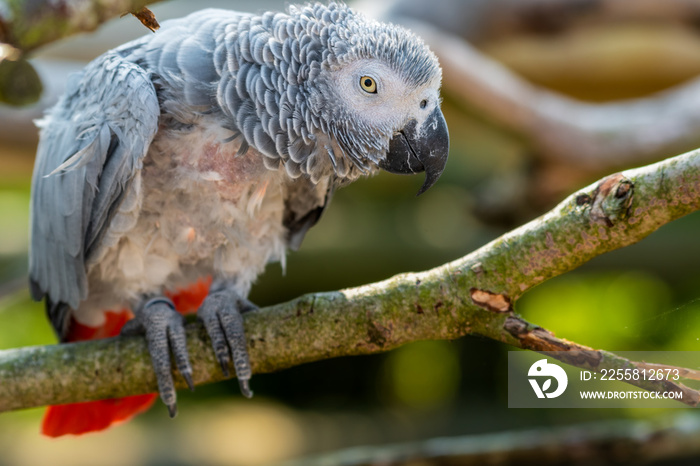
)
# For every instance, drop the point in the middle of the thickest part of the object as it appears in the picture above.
(368, 84)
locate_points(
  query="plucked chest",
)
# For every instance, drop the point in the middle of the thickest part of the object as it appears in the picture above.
(202, 209)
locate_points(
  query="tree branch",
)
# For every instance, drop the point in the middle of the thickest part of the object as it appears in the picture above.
(472, 295)
(26, 25)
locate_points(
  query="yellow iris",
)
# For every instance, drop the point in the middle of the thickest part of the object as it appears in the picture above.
(368, 84)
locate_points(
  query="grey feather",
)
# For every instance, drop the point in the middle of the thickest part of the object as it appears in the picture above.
(99, 138)
(265, 74)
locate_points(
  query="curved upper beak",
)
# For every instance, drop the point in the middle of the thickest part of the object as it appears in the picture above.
(420, 149)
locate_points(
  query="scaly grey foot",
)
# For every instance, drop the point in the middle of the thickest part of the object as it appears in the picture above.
(165, 333)
(221, 313)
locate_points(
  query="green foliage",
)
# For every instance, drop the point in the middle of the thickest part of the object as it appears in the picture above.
(423, 375)
(14, 234)
(23, 322)
(612, 310)
(19, 82)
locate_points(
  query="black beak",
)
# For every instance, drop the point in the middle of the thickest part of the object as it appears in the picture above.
(415, 150)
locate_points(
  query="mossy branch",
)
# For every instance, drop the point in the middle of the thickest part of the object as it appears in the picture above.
(472, 295)
(27, 25)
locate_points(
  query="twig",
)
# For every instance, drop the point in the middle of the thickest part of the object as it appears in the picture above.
(690, 374)
(538, 339)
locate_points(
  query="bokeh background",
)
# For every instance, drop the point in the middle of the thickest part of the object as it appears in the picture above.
(645, 297)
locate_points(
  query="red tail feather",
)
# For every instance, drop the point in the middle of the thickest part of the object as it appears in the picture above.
(93, 416)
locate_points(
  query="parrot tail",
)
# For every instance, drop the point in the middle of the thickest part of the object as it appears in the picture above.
(94, 416)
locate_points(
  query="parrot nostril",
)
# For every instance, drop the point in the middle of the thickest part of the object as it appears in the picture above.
(423, 103)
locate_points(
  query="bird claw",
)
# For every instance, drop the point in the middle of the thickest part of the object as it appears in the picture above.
(188, 379)
(172, 410)
(223, 362)
(221, 314)
(245, 388)
(165, 334)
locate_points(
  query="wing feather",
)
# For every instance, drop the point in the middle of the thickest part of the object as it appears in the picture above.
(92, 145)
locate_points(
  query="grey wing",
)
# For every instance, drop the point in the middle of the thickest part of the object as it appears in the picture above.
(91, 148)
(304, 206)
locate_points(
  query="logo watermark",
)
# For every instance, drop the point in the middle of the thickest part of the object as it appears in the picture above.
(656, 380)
(542, 368)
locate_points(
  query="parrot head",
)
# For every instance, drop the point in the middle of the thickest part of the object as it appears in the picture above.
(391, 109)
(385, 83)
(324, 91)
(371, 98)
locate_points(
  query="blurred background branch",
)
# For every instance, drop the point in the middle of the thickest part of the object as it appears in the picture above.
(586, 135)
(481, 21)
(602, 443)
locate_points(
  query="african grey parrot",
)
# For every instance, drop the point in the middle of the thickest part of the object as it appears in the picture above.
(208, 149)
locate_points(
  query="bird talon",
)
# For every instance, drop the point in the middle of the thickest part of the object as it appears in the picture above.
(245, 388)
(188, 378)
(221, 314)
(165, 336)
(172, 410)
(224, 368)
